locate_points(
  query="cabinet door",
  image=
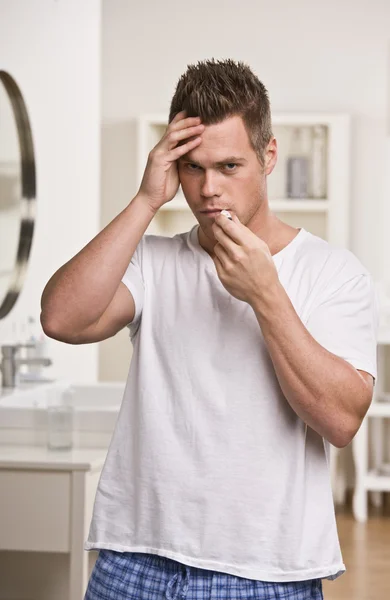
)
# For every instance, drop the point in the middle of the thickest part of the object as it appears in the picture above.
(35, 511)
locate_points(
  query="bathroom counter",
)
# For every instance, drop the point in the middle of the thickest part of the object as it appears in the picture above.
(41, 458)
(46, 504)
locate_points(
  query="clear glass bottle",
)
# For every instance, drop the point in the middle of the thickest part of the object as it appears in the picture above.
(298, 163)
(60, 420)
(318, 165)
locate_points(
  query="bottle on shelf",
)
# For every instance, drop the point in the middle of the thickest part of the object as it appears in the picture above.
(38, 350)
(298, 163)
(22, 338)
(31, 338)
(318, 162)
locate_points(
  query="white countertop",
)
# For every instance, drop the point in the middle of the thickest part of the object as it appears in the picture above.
(32, 387)
(41, 458)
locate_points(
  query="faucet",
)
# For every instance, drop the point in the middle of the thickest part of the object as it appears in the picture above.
(10, 363)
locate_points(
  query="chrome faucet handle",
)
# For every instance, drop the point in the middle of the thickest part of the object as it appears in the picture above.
(43, 362)
(10, 363)
(10, 350)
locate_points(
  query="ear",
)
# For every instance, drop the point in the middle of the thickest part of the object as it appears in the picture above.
(270, 156)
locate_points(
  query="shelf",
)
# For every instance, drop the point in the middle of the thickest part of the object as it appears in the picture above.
(384, 336)
(178, 203)
(377, 483)
(281, 205)
(284, 119)
(327, 218)
(292, 205)
(379, 408)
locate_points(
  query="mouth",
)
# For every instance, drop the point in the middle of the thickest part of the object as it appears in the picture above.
(213, 212)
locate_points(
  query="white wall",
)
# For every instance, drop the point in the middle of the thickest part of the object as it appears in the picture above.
(312, 56)
(52, 49)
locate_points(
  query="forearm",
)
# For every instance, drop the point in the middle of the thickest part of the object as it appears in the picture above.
(79, 292)
(324, 390)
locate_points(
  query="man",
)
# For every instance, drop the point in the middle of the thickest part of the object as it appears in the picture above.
(254, 348)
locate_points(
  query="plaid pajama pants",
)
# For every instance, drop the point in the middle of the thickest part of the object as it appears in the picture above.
(142, 576)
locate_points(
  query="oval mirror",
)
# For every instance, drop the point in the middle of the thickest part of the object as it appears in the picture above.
(17, 192)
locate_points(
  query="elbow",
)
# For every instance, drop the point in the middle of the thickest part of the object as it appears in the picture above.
(46, 324)
(49, 326)
(343, 436)
(62, 332)
(341, 442)
(350, 422)
(53, 330)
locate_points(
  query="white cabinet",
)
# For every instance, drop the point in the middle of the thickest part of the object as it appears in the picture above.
(326, 216)
(35, 511)
(46, 504)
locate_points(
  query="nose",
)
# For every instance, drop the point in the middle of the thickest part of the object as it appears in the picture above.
(210, 186)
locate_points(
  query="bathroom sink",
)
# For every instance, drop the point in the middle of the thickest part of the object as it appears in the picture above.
(27, 392)
(96, 405)
(42, 395)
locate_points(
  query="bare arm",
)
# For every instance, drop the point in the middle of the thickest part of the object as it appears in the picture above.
(85, 300)
(78, 294)
(325, 390)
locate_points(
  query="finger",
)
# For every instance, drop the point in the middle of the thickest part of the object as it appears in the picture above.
(174, 136)
(177, 136)
(178, 116)
(233, 229)
(228, 244)
(184, 123)
(222, 255)
(218, 265)
(179, 151)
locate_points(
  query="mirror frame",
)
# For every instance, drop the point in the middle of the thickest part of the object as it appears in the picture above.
(28, 192)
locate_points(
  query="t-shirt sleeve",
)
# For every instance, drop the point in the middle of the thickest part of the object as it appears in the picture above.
(345, 322)
(134, 281)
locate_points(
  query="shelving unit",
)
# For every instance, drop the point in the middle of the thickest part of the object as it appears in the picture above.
(371, 434)
(327, 217)
(306, 206)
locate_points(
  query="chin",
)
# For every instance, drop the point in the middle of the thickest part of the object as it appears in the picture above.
(206, 229)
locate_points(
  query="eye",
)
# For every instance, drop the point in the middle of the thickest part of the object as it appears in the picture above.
(192, 167)
(230, 166)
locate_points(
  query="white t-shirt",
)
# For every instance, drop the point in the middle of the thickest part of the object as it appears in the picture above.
(208, 464)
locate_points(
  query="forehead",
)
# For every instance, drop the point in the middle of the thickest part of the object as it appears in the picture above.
(221, 140)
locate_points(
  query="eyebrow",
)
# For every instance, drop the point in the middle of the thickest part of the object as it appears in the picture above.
(220, 163)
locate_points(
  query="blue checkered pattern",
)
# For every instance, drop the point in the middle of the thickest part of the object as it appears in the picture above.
(142, 576)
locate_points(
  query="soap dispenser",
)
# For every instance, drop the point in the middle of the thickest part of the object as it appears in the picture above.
(60, 419)
(37, 340)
